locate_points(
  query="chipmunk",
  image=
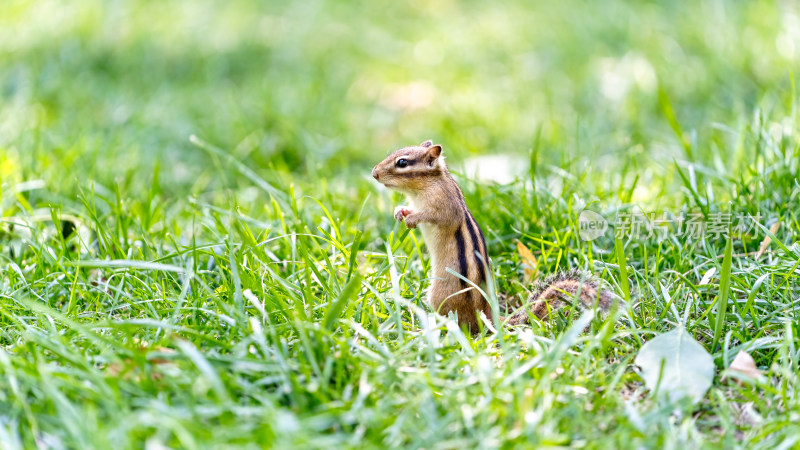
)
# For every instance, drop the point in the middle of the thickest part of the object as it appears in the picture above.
(455, 240)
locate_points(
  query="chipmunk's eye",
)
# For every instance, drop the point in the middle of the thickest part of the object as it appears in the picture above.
(402, 163)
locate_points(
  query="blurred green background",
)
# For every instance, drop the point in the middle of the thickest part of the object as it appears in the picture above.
(103, 89)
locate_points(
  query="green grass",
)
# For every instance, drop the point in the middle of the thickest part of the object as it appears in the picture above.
(249, 287)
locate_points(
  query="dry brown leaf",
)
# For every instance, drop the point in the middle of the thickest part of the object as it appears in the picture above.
(745, 365)
(765, 243)
(528, 261)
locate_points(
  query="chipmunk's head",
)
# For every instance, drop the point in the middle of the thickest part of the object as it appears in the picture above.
(411, 169)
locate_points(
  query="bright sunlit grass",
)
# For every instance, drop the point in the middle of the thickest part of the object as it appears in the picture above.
(193, 253)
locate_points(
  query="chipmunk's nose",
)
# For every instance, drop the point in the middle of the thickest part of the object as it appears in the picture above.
(375, 173)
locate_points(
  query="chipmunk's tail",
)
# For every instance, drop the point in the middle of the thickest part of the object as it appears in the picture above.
(561, 288)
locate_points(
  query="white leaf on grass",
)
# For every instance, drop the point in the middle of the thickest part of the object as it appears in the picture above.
(676, 365)
(708, 275)
(745, 365)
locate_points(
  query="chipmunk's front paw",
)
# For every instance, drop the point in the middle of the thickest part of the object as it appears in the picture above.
(412, 220)
(401, 212)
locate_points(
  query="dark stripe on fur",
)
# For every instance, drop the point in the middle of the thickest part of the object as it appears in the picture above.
(416, 173)
(462, 256)
(471, 226)
(484, 251)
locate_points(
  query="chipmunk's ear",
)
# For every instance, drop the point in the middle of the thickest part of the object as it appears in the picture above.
(426, 144)
(433, 154)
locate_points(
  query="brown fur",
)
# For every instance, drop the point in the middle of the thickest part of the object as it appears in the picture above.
(455, 240)
(557, 289)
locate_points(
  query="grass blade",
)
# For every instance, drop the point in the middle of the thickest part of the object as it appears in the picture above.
(350, 290)
(623, 269)
(724, 290)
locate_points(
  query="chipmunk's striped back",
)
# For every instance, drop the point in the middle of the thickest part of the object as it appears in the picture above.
(472, 254)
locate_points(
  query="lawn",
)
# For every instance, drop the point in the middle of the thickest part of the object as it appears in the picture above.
(193, 253)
